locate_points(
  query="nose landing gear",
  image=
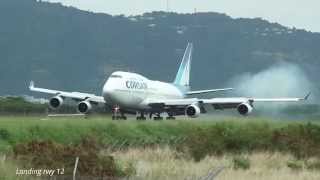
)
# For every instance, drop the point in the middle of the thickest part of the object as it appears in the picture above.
(117, 114)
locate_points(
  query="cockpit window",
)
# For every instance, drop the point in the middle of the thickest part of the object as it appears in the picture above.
(115, 76)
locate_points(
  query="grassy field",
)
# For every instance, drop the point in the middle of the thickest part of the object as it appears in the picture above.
(241, 131)
(72, 129)
(181, 149)
(167, 164)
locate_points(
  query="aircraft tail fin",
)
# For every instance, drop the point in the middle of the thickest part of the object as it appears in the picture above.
(183, 75)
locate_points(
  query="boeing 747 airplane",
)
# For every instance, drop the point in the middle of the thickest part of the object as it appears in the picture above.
(128, 92)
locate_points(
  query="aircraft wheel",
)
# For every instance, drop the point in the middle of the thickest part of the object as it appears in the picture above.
(141, 118)
(158, 118)
(171, 118)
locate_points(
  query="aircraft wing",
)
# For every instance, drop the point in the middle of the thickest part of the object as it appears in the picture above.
(219, 103)
(73, 95)
(251, 100)
(207, 91)
(225, 103)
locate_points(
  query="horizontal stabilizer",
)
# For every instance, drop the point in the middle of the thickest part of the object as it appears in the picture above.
(207, 91)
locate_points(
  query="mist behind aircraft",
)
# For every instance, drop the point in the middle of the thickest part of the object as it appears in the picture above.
(281, 79)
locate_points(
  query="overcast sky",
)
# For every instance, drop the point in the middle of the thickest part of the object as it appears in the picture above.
(292, 13)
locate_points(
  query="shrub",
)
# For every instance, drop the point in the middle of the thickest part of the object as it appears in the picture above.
(301, 140)
(295, 164)
(228, 137)
(4, 134)
(126, 170)
(313, 165)
(241, 163)
(51, 155)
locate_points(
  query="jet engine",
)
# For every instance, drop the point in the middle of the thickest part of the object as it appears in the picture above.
(193, 111)
(84, 107)
(55, 102)
(244, 109)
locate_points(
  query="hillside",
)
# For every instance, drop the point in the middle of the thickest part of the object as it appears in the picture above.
(66, 48)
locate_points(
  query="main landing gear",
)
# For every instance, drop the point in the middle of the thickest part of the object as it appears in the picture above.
(156, 118)
(159, 118)
(171, 115)
(117, 114)
(170, 118)
(141, 117)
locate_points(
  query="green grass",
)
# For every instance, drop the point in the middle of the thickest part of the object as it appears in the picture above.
(242, 132)
(15, 130)
(215, 136)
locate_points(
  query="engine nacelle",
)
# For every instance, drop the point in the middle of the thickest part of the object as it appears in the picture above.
(244, 109)
(193, 111)
(84, 107)
(55, 102)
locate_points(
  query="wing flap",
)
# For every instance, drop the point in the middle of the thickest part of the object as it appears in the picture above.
(207, 91)
(172, 102)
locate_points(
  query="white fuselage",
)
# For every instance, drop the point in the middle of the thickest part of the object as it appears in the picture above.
(133, 91)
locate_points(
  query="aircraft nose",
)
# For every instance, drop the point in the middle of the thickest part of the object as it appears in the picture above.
(107, 89)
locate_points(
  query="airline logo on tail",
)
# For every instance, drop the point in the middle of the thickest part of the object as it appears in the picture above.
(183, 75)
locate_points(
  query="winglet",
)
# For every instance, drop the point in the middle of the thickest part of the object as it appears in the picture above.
(307, 96)
(31, 85)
